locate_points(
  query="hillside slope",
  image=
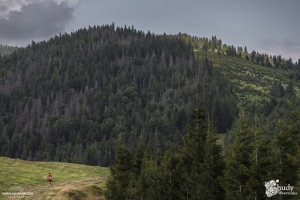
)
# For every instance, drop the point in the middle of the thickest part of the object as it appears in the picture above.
(69, 180)
(74, 97)
(251, 83)
(258, 89)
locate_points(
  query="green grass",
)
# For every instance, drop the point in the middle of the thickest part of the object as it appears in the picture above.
(250, 82)
(68, 179)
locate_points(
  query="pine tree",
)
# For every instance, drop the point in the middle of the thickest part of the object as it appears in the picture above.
(202, 158)
(120, 183)
(151, 183)
(213, 167)
(287, 142)
(193, 153)
(142, 158)
(245, 50)
(238, 162)
(143, 182)
(260, 164)
(294, 157)
(172, 175)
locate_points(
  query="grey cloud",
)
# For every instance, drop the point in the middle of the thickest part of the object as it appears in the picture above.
(286, 48)
(35, 21)
(3, 8)
(268, 43)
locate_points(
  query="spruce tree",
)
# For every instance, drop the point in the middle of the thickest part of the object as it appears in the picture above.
(287, 143)
(202, 159)
(120, 183)
(142, 158)
(193, 154)
(172, 175)
(238, 163)
(213, 167)
(260, 164)
(151, 179)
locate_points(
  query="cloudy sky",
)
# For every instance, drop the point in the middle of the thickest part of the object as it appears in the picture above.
(266, 26)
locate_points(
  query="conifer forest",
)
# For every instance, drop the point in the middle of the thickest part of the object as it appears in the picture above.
(172, 116)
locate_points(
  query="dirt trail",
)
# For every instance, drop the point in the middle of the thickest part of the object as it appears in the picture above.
(60, 190)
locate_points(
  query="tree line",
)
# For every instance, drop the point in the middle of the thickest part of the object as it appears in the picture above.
(272, 61)
(199, 169)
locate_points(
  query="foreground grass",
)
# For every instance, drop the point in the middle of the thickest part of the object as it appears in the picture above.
(70, 181)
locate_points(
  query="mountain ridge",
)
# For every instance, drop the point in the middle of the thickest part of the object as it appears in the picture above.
(74, 97)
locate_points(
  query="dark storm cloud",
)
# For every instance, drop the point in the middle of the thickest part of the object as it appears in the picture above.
(35, 20)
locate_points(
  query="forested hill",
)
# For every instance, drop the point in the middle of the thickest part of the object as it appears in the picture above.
(73, 97)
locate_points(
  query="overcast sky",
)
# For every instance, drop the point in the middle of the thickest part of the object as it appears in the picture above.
(266, 26)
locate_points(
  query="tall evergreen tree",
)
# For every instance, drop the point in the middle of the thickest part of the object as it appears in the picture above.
(245, 50)
(142, 159)
(172, 167)
(260, 164)
(202, 158)
(120, 183)
(213, 166)
(294, 157)
(193, 153)
(287, 144)
(238, 162)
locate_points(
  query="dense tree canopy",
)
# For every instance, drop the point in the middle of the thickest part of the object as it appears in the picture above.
(118, 97)
(71, 98)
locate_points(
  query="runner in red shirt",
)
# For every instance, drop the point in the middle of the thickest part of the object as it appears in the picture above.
(49, 178)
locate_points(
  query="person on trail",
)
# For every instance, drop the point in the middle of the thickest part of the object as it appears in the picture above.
(49, 178)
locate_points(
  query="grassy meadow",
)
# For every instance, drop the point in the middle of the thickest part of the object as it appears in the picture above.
(70, 181)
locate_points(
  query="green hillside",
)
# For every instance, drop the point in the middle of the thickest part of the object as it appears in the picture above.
(251, 83)
(72, 98)
(69, 180)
